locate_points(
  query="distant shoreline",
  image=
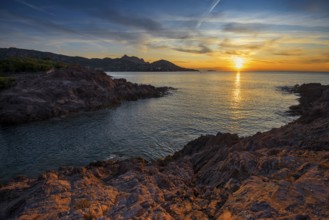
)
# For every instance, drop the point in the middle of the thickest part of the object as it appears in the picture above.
(125, 63)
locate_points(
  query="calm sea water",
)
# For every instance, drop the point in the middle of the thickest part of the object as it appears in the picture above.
(205, 103)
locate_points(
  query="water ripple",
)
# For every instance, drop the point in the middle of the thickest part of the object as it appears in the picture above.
(205, 103)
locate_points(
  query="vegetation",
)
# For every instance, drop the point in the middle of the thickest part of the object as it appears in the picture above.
(19, 65)
(6, 82)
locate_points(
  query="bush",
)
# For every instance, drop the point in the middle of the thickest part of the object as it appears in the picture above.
(6, 82)
(17, 65)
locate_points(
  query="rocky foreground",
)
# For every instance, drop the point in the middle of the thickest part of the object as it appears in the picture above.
(279, 174)
(64, 91)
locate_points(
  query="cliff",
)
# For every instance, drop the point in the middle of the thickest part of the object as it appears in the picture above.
(279, 174)
(123, 64)
(64, 91)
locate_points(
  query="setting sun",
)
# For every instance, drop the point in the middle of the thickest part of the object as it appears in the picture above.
(238, 62)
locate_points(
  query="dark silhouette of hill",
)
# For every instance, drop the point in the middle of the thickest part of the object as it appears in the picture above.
(125, 63)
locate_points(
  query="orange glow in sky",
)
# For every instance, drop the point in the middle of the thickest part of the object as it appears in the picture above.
(274, 35)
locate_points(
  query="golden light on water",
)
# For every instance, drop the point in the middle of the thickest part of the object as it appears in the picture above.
(236, 91)
(236, 102)
(238, 63)
(237, 79)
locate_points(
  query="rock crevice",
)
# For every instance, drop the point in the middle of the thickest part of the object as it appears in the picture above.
(279, 174)
(64, 91)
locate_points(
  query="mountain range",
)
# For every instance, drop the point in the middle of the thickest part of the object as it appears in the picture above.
(124, 64)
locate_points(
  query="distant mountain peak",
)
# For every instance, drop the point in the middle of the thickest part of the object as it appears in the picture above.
(133, 59)
(124, 64)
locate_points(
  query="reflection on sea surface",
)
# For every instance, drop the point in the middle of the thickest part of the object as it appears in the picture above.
(205, 103)
(236, 102)
(236, 92)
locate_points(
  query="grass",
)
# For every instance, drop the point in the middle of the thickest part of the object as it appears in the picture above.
(6, 82)
(19, 65)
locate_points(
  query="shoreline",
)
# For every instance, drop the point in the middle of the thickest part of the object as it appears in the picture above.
(62, 92)
(282, 173)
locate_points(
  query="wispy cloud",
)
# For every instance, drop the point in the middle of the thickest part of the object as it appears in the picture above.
(229, 47)
(317, 60)
(211, 8)
(315, 6)
(201, 49)
(34, 7)
(132, 21)
(243, 28)
(290, 52)
(269, 18)
(154, 28)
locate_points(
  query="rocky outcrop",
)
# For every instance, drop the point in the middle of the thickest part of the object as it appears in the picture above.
(279, 174)
(63, 91)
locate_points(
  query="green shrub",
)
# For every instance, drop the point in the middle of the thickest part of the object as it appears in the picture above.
(17, 65)
(6, 82)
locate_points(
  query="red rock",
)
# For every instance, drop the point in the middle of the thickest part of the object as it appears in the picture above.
(279, 174)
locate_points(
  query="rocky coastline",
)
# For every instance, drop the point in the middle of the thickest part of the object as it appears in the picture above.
(279, 174)
(61, 92)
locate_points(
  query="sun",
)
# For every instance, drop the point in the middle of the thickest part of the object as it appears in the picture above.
(238, 62)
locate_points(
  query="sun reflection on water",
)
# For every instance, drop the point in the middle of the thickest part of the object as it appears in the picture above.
(236, 103)
(237, 91)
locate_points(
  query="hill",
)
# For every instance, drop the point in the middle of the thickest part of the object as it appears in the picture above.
(64, 91)
(123, 64)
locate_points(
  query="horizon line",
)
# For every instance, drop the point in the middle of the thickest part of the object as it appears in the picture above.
(195, 68)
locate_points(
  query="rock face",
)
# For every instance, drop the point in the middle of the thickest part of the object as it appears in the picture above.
(279, 174)
(64, 91)
(125, 63)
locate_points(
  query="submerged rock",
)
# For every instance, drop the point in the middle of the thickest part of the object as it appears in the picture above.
(61, 92)
(279, 174)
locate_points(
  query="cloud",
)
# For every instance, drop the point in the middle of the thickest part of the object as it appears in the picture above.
(128, 20)
(321, 59)
(244, 27)
(172, 34)
(167, 28)
(127, 37)
(90, 32)
(229, 47)
(236, 52)
(34, 7)
(292, 52)
(211, 8)
(193, 47)
(268, 20)
(227, 43)
(201, 49)
(265, 61)
(314, 6)
(37, 23)
(186, 47)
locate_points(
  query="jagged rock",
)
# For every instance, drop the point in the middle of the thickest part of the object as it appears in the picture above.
(64, 91)
(279, 174)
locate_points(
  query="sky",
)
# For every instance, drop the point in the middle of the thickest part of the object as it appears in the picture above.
(271, 35)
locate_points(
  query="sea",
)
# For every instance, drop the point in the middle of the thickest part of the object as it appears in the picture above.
(203, 103)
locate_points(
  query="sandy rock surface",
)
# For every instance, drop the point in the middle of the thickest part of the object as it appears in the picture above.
(279, 174)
